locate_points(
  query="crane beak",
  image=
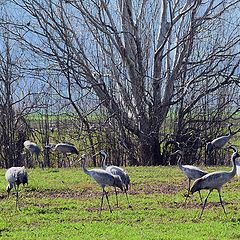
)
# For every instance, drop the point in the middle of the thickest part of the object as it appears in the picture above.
(173, 154)
(96, 154)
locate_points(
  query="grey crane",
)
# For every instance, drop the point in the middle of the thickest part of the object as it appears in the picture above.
(64, 149)
(115, 170)
(216, 180)
(16, 176)
(190, 171)
(103, 178)
(34, 149)
(220, 141)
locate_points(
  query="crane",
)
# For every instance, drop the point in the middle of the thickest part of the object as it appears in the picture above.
(64, 149)
(34, 149)
(115, 170)
(220, 141)
(190, 171)
(15, 176)
(103, 178)
(216, 180)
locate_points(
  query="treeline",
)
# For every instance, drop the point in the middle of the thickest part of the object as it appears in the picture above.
(115, 76)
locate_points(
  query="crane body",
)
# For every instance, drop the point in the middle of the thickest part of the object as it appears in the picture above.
(34, 149)
(191, 172)
(16, 176)
(103, 178)
(117, 171)
(219, 142)
(216, 180)
(64, 149)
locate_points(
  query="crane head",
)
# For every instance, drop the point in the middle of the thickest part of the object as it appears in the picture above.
(22, 176)
(234, 148)
(83, 159)
(49, 146)
(178, 152)
(196, 186)
(103, 153)
(175, 143)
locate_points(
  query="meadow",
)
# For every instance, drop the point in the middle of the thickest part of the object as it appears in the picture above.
(63, 204)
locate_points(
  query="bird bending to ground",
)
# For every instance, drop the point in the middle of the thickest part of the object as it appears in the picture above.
(34, 149)
(115, 170)
(190, 171)
(15, 176)
(220, 141)
(64, 149)
(216, 180)
(103, 178)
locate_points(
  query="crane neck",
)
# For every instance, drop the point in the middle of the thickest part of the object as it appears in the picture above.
(104, 157)
(84, 166)
(234, 168)
(230, 133)
(179, 161)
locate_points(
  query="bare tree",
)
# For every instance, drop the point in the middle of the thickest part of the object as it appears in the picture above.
(15, 102)
(140, 58)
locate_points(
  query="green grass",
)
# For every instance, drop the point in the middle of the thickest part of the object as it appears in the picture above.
(63, 204)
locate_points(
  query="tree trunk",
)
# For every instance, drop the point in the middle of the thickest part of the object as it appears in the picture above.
(150, 151)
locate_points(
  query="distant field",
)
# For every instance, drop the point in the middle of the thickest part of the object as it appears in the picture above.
(63, 204)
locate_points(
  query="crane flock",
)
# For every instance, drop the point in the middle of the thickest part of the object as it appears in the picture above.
(103, 178)
(117, 177)
(115, 170)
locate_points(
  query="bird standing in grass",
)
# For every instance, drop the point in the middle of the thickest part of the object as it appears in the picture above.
(216, 180)
(115, 170)
(16, 176)
(219, 142)
(64, 149)
(103, 178)
(34, 149)
(190, 171)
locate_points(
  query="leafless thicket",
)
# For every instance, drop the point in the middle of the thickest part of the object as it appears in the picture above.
(136, 73)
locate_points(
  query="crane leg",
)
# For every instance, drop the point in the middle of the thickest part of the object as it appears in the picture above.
(205, 202)
(40, 163)
(220, 197)
(9, 187)
(108, 202)
(200, 196)
(31, 159)
(187, 196)
(104, 193)
(129, 205)
(205, 157)
(17, 188)
(64, 160)
(100, 209)
(116, 195)
(68, 164)
(8, 193)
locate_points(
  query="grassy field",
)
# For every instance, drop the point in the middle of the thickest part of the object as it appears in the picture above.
(63, 204)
